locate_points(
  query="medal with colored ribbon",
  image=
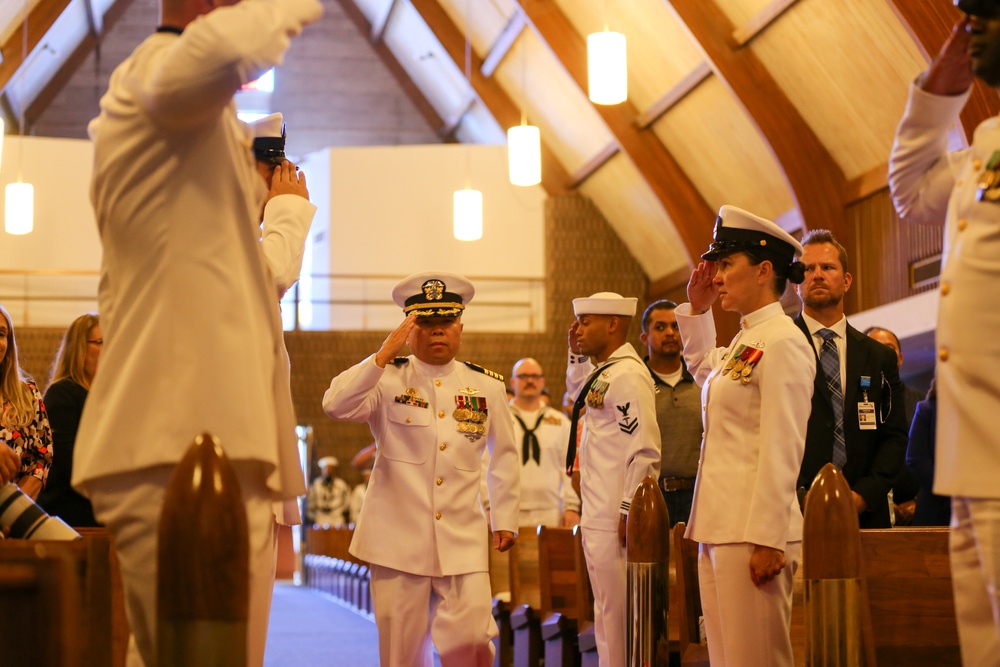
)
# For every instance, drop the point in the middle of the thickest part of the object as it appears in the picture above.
(988, 188)
(748, 361)
(470, 414)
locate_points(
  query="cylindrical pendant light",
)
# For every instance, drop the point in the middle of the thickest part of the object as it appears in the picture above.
(468, 215)
(19, 208)
(524, 155)
(607, 68)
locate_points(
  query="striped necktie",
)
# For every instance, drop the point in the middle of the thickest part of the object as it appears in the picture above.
(829, 359)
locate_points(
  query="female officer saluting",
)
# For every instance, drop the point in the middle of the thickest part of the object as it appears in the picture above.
(756, 398)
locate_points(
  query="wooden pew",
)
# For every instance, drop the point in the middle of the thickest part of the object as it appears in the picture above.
(908, 586)
(525, 599)
(560, 600)
(108, 601)
(91, 595)
(685, 554)
(586, 642)
(331, 541)
(40, 608)
(500, 588)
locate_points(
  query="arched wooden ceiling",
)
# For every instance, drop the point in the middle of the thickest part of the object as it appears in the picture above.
(784, 107)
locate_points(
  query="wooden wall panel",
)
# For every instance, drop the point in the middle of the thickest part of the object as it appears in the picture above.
(884, 247)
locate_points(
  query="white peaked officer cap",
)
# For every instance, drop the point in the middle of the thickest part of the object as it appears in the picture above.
(433, 294)
(737, 230)
(605, 303)
(328, 461)
(269, 138)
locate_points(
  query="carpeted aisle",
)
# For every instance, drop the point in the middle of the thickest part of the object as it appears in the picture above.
(310, 630)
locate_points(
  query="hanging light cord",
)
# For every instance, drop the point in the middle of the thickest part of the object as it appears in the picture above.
(524, 74)
(468, 78)
(20, 119)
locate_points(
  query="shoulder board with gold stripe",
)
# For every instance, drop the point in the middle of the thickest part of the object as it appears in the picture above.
(399, 361)
(484, 371)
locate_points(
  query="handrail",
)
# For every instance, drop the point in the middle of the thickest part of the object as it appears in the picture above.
(53, 297)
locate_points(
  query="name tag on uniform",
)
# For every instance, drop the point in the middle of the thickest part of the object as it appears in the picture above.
(866, 416)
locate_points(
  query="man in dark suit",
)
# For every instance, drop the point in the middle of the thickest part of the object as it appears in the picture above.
(858, 420)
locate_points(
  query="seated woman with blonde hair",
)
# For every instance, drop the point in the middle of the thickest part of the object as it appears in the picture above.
(24, 425)
(72, 374)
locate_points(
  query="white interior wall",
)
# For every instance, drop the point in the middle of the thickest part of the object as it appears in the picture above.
(389, 214)
(384, 212)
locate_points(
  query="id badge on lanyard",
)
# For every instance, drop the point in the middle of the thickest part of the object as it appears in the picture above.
(867, 421)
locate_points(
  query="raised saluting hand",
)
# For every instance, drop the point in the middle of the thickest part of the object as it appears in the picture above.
(395, 341)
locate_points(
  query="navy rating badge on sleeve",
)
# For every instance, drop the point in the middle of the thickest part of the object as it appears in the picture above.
(627, 424)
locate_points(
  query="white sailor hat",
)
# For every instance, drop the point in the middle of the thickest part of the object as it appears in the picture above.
(737, 230)
(605, 303)
(327, 461)
(269, 138)
(433, 294)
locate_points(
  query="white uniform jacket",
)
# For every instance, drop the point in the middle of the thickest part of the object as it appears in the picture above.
(422, 513)
(930, 185)
(192, 337)
(755, 432)
(621, 440)
(545, 484)
(287, 219)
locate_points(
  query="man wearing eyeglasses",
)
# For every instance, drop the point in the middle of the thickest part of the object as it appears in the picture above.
(542, 433)
(858, 418)
(961, 190)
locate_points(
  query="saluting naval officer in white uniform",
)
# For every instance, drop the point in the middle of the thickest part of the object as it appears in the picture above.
(192, 337)
(756, 396)
(621, 445)
(961, 190)
(422, 526)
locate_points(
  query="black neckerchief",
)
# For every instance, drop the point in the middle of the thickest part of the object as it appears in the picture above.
(529, 446)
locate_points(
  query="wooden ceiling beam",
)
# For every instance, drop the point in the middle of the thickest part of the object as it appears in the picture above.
(929, 23)
(816, 181)
(687, 208)
(99, 26)
(555, 179)
(40, 19)
(385, 54)
(503, 43)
